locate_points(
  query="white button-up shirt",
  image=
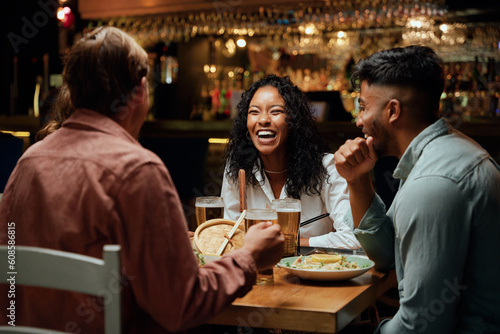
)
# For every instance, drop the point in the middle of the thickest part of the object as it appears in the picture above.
(335, 231)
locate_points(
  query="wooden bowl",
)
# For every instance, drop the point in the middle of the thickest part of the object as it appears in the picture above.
(209, 236)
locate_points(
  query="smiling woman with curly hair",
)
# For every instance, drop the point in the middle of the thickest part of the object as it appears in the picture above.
(276, 141)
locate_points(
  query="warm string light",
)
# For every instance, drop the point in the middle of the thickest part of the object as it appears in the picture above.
(65, 16)
(419, 30)
(333, 30)
(308, 20)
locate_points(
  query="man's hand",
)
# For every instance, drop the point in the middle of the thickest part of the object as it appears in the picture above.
(355, 158)
(266, 244)
(353, 161)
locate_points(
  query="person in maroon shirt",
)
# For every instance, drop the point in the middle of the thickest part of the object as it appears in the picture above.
(91, 183)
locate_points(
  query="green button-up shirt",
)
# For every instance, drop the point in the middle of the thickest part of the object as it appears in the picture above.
(442, 235)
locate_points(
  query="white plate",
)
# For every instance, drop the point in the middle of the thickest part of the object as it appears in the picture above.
(328, 275)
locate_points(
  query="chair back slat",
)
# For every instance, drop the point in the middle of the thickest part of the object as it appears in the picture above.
(49, 268)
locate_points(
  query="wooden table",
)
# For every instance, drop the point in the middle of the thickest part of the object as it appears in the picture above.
(311, 306)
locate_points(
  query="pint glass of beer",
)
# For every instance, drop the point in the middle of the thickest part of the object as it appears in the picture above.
(209, 207)
(288, 210)
(255, 216)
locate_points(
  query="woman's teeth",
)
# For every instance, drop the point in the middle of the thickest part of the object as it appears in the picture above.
(266, 134)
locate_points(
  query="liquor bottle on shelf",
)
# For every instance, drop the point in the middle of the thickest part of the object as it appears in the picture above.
(490, 75)
(487, 83)
(493, 88)
(477, 73)
(465, 78)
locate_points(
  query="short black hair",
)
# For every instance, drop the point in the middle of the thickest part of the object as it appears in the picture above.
(415, 67)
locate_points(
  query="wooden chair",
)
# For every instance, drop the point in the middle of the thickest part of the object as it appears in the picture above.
(50, 268)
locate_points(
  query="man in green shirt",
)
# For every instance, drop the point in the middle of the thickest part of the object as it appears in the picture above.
(442, 231)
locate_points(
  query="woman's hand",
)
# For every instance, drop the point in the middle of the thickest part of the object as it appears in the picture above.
(304, 242)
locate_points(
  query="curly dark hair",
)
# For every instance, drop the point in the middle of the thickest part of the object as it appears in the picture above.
(305, 146)
(415, 67)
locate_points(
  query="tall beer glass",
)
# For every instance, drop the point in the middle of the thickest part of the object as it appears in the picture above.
(208, 207)
(255, 216)
(288, 210)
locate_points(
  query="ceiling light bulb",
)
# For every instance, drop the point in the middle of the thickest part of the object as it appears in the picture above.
(241, 43)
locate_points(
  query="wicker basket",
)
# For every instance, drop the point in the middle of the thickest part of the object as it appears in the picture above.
(209, 236)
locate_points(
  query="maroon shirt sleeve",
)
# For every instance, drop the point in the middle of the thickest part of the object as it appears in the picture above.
(157, 254)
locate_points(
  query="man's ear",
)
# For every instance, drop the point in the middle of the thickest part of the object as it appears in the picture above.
(395, 110)
(140, 92)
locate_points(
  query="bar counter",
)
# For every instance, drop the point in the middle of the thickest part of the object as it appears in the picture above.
(487, 127)
(195, 129)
